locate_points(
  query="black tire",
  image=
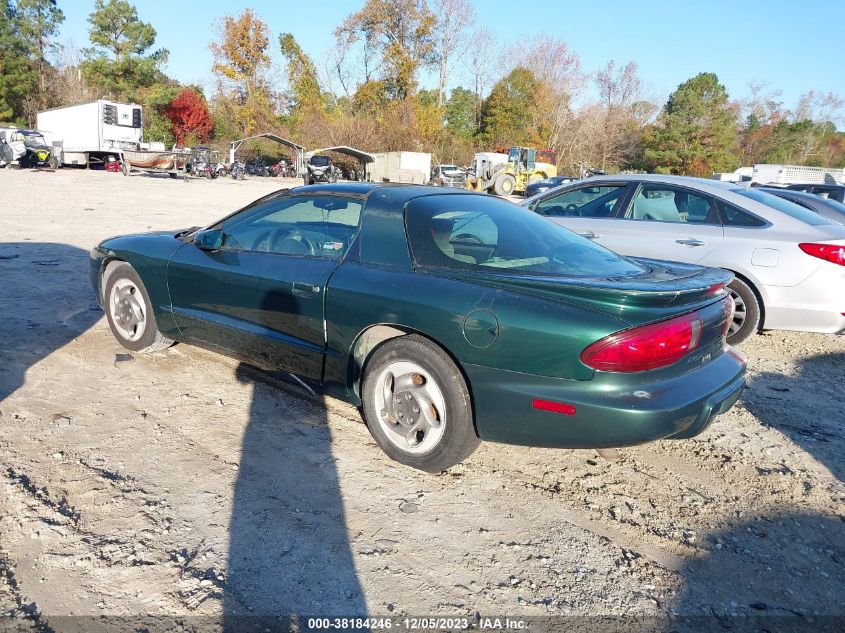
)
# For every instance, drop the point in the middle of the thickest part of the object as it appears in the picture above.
(747, 314)
(504, 185)
(458, 439)
(151, 340)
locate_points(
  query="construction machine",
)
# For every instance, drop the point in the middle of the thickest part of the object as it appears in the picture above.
(507, 173)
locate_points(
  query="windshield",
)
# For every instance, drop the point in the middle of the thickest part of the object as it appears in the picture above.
(785, 206)
(320, 161)
(448, 168)
(483, 233)
(33, 139)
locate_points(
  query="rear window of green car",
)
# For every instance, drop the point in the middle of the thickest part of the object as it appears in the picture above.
(462, 232)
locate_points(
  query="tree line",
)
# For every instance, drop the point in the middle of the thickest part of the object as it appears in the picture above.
(366, 92)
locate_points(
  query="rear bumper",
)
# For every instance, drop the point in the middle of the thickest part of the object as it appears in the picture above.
(817, 304)
(610, 410)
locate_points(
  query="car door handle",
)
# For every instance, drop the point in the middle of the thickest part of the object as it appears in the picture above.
(691, 242)
(590, 235)
(302, 289)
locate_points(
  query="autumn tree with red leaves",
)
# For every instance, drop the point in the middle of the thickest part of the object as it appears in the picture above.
(188, 113)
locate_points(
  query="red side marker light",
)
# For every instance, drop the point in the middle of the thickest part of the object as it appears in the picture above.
(554, 407)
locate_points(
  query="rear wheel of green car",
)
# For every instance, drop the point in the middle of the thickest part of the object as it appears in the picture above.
(129, 311)
(417, 405)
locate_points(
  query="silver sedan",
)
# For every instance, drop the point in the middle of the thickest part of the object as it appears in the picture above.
(789, 262)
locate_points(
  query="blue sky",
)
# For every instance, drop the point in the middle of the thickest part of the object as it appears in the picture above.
(792, 47)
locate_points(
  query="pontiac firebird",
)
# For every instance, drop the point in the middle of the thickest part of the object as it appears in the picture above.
(449, 317)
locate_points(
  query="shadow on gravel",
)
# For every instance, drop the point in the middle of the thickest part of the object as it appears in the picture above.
(289, 550)
(780, 573)
(46, 301)
(806, 407)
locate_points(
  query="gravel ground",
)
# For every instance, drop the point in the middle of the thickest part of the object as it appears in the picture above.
(185, 484)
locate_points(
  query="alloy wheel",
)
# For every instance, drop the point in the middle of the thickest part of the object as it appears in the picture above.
(127, 309)
(740, 313)
(410, 406)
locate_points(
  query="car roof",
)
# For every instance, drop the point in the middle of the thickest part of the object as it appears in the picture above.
(716, 185)
(829, 185)
(398, 190)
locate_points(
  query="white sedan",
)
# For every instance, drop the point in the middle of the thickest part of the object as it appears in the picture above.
(789, 262)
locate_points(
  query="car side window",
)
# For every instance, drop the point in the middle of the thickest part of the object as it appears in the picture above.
(734, 216)
(592, 202)
(321, 226)
(664, 203)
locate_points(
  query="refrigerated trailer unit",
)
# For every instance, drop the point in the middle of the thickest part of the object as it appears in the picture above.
(90, 132)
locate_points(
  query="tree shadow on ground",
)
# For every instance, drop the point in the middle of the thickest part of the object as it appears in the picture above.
(289, 551)
(46, 301)
(806, 407)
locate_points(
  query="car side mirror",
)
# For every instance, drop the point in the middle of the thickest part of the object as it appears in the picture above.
(210, 240)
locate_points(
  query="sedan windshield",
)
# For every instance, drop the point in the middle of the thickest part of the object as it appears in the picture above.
(785, 206)
(463, 232)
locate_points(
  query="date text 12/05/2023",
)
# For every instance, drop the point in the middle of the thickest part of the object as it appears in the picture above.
(415, 623)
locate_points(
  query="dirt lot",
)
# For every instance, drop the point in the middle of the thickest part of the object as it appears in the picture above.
(184, 484)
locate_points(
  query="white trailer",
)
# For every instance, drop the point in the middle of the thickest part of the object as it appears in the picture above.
(89, 132)
(796, 175)
(407, 167)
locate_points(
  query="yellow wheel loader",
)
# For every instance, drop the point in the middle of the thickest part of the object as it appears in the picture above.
(505, 174)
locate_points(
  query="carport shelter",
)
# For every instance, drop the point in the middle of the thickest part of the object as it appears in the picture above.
(363, 157)
(297, 151)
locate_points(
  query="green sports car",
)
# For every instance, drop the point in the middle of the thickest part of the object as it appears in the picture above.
(449, 317)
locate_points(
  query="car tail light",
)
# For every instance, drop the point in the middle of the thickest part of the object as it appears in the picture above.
(645, 347)
(833, 253)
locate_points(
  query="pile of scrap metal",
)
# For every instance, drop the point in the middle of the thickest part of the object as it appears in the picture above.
(24, 148)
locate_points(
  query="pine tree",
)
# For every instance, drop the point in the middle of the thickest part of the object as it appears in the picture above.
(696, 132)
(18, 76)
(119, 63)
(39, 22)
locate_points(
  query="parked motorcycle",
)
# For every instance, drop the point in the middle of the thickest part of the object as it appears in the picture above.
(257, 167)
(279, 169)
(238, 170)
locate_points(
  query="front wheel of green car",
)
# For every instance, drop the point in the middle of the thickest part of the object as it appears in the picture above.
(417, 405)
(129, 311)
